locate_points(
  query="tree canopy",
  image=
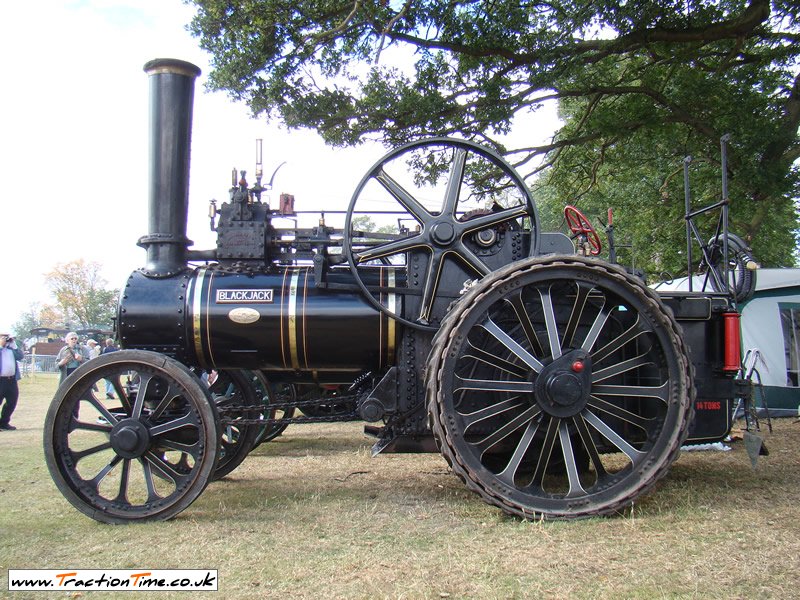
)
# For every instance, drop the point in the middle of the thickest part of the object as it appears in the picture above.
(640, 85)
(81, 295)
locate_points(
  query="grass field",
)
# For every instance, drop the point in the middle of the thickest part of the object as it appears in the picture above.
(311, 515)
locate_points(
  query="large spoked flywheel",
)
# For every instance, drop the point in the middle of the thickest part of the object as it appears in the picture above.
(559, 387)
(131, 436)
(448, 211)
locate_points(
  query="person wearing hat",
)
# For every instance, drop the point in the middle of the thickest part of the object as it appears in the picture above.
(9, 375)
(94, 348)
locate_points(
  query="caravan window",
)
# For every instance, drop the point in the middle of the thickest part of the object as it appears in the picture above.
(790, 324)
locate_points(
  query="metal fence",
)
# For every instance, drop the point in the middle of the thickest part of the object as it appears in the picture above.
(38, 363)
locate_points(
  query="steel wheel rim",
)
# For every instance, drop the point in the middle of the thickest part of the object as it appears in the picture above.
(490, 394)
(442, 248)
(144, 455)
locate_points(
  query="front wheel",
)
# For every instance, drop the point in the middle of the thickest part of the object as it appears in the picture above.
(131, 436)
(559, 388)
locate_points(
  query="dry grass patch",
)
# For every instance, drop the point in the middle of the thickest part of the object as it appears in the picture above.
(312, 515)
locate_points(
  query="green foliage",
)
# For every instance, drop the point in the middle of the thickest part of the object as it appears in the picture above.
(640, 86)
(80, 293)
(38, 315)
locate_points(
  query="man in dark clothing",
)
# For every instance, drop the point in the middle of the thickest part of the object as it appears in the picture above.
(9, 375)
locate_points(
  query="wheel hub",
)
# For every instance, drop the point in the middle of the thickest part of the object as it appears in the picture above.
(563, 387)
(443, 233)
(130, 438)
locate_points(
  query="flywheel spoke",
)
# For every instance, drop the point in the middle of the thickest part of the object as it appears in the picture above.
(403, 197)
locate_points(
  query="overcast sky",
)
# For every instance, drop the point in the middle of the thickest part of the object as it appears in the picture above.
(73, 158)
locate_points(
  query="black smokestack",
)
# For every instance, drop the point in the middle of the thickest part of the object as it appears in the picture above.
(171, 100)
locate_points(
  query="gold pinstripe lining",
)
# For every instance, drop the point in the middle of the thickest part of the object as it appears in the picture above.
(292, 320)
(197, 307)
(208, 319)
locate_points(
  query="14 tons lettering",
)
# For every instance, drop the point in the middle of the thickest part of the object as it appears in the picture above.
(708, 405)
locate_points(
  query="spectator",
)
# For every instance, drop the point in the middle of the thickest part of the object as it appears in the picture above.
(94, 348)
(70, 357)
(109, 347)
(9, 375)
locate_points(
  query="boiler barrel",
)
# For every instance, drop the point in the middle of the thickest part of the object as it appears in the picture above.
(274, 322)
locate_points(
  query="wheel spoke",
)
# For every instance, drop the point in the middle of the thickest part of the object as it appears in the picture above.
(490, 411)
(613, 437)
(518, 305)
(388, 249)
(596, 328)
(495, 218)
(575, 487)
(184, 421)
(508, 474)
(634, 391)
(141, 394)
(162, 468)
(453, 190)
(95, 481)
(168, 399)
(507, 341)
(495, 361)
(503, 432)
(620, 368)
(152, 495)
(192, 450)
(550, 323)
(491, 385)
(619, 412)
(545, 452)
(122, 493)
(107, 415)
(470, 259)
(588, 443)
(431, 282)
(617, 343)
(122, 394)
(419, 212)
(577, 312)
(84, 426)
(76, 456)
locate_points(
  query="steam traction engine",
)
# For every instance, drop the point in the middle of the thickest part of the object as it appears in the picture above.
(554, 384)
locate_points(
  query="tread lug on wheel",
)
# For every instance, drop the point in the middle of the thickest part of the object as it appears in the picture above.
(141, 449)
(559, 387)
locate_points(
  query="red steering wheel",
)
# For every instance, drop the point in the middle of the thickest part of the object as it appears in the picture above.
(579, 225)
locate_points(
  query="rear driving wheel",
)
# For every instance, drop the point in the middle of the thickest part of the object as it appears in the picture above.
(559, 388)
(269, 393)
(238, 430)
